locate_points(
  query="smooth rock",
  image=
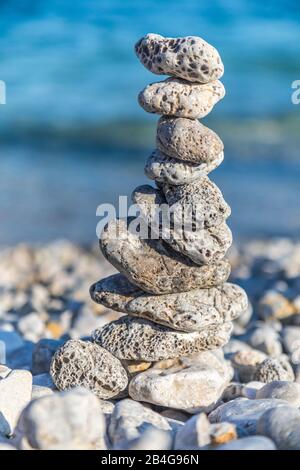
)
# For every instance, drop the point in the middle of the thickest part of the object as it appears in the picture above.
(274, 369)
(31, 326)
(282, 425)
(164, 169)
(244, 413)
(130, 420)
(138, 339)
(264, 338)
(190, 57)
(15, 394)
(73, 418)
(291, 340)
(248, 443)
(152, 265)
(39, 391)
(186, 311)
(151, 439)
(194, 433)
(42, 355)
(281, 390)
(177, 97)
(86, 364)
(188, 140)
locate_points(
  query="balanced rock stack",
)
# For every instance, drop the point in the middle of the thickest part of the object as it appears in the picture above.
(172, 287)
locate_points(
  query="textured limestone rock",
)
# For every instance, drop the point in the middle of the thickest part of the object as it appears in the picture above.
(203, 246)
(186, 311)
(153, 266)
(190, 57)
(137, 339)
(82, 363)
(65, 419)
(194, 384)
(200, 203)
(176, 97)
(130, 419)
(188, 140)
(274, 369)
(164, 169)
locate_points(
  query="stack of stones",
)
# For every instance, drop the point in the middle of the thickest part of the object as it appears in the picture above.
(172, 288)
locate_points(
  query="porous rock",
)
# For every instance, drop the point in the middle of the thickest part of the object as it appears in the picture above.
(138, 339)
(86, 364)
(274, 369)
(190, 57)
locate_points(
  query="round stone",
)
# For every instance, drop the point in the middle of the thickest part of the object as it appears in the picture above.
(282, 425)
(274, 369)
(188, 140)
(141, 340)
(190, 57)
(176, 97)
(152, 265)
(245, 363)
(164, 169)
(281, 390)
(86, 364)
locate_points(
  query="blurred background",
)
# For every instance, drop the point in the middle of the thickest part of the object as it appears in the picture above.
(72, 135)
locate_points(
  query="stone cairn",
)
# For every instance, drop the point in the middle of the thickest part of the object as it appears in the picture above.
(173, 289)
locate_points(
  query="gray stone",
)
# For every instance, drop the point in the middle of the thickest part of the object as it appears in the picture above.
(188, 140)
(130, 420)
(164, 169)
(195, 433)
(274, 369)
(264, 338)
(39, 391)
(190, 57)
(245, 364)
(291, 340)
(86, 364)
(42, 355)
(72, 418)
(193, 384)
(281, 390)
(282, 425)
(151, 439)
(176, 97)
(153, 266)
(138, 339)
(244, 413)
(15, 394)
(186, 311)
(248, 443)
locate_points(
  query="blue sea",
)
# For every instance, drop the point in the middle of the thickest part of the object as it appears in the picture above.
(72, 135)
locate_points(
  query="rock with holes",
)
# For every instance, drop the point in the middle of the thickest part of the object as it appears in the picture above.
(86, 364)
(274, 369)
(203, 246)
(188, 140)
(141, 340)
(176, 97)
(185, 311)
(152, 265)
(190, 57)
(164, 169)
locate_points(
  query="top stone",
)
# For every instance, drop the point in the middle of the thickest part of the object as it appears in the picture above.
(190, 58)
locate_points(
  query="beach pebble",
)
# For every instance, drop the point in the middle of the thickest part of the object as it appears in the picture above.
(192, 385)
(265, 339)
(152, 265)
(245, 364)
(195, 433)
(68, 418)
(244, 413)
(248, 443)
(31, 326)
(281, 390)
(188, 140)
(235, 345)
(138, 339)
(86, 364)
(189, 57)
(151, 439)
(282, 425)
(4, 371)
(15, 394)
(291, 340)
(274, 369)
(130, 420)
(42, 355)
(164, 169)
(274, 304)
(177, 97)
(39, 391)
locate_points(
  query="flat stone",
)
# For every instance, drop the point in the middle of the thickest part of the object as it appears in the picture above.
(186, 311)
(282, 425)
(274, 369)
(203, 246)
(177, 97)
(67, 418)
(248, 443)
(152, 265)
(202, 199)
(188, 140)
(86, 364)
(42, 355)
(130, 420)
(244, 413)
(190, 57)
(194, 384)
(164, 169)
(281, 390)
(138, 339)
